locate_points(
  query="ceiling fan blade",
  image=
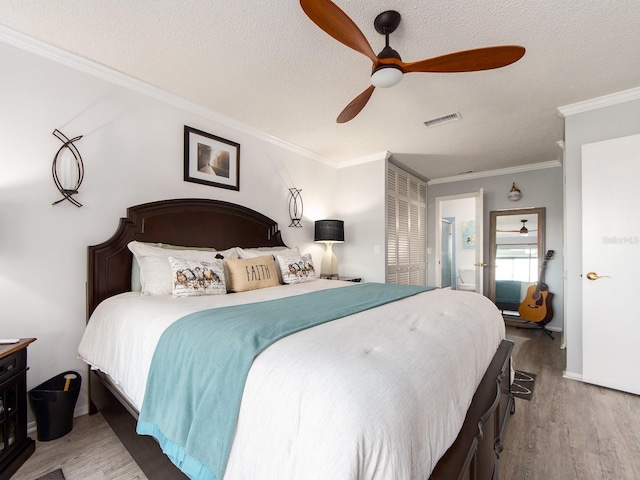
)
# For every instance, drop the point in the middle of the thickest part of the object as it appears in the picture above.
(356, 105)
(328, 16)
(468, 60)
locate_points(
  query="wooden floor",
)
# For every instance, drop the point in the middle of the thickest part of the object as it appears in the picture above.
(91, 451)
(568, 431)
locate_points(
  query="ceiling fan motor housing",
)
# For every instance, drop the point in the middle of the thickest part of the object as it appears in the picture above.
(387, 22)
(388, 74)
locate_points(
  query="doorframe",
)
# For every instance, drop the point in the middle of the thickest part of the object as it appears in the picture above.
(479, 234)
(454, 276)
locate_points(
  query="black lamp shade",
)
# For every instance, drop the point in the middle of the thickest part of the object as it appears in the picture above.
(329, 231)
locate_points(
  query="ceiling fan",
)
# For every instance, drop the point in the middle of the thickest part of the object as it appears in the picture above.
(524, 231)
(388, 67)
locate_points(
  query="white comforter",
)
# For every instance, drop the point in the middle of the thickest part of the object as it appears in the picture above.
(377, 395)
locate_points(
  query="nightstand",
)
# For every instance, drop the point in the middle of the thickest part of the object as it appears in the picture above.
(15, 446)
(344, 279)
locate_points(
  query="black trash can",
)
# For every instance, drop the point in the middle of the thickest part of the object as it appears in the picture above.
(53, 405)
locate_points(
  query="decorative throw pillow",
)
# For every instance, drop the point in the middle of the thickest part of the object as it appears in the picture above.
(297, 269)
(251, 273)
(136, 284)
(195, 277)
(260, 251)
(155, 269)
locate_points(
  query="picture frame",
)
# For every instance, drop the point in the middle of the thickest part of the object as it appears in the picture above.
(469, 234)
(211, 160)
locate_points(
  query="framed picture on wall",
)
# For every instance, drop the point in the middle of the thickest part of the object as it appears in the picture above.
(211, 160)
(469, 234)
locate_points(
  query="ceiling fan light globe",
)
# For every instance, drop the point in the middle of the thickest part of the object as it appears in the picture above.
(386, 76)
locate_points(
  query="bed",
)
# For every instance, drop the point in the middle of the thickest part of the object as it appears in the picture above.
(471, 452)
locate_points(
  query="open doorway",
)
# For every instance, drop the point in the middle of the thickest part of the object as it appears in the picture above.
(464, 212)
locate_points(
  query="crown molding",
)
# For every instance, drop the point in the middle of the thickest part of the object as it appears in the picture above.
(365, 159)
(495, 173)
(58, 55)
(599, 102)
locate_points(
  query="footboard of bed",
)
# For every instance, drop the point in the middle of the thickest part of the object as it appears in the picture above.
(475, 453)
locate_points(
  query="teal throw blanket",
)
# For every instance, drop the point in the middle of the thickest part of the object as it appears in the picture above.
(200, 366)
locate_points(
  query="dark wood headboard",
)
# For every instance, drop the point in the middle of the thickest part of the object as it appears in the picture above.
(192, 222)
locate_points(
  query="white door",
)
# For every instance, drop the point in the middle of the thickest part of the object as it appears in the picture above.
(478, 262)
(611, 263)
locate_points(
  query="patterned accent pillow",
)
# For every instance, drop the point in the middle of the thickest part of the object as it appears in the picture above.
(136, 281)
(155, 269)
(297, 269)
(195, 277)
(260, 251)
(251, 273)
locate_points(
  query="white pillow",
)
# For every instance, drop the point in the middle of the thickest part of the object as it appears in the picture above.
(229, 252)
(260, 251)
(136, 285)
(297, 269)
(195, 277)
(155, 269)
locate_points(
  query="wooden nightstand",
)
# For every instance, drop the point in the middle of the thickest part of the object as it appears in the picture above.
(344, 279)
(15, 446)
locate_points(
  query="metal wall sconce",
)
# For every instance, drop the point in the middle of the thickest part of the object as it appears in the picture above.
(514, 194)
(295, 207)
(67, 169)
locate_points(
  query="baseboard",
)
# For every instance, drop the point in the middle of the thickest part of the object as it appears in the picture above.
(516, 322)
(572, 376)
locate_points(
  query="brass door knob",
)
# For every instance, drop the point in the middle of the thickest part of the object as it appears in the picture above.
(595, 276)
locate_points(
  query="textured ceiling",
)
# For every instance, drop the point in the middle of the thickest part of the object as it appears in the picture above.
(265, 64)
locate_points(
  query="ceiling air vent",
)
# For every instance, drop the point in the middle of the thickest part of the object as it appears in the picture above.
(452, 117)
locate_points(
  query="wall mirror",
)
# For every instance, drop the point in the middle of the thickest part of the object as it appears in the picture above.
(516, 249)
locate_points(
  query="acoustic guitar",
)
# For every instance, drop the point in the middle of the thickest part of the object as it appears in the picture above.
(536, 306)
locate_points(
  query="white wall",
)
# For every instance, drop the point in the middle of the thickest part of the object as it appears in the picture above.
(540, 188)
(463, 210)
(361, 200)
(584, 127)
(133, 153)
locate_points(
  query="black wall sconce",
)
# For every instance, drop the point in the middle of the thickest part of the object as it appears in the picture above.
(67, 169)
(295, 207)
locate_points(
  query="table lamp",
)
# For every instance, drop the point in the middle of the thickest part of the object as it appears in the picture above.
(329, 232)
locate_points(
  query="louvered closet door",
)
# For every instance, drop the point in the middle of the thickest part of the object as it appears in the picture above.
(406, 228)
